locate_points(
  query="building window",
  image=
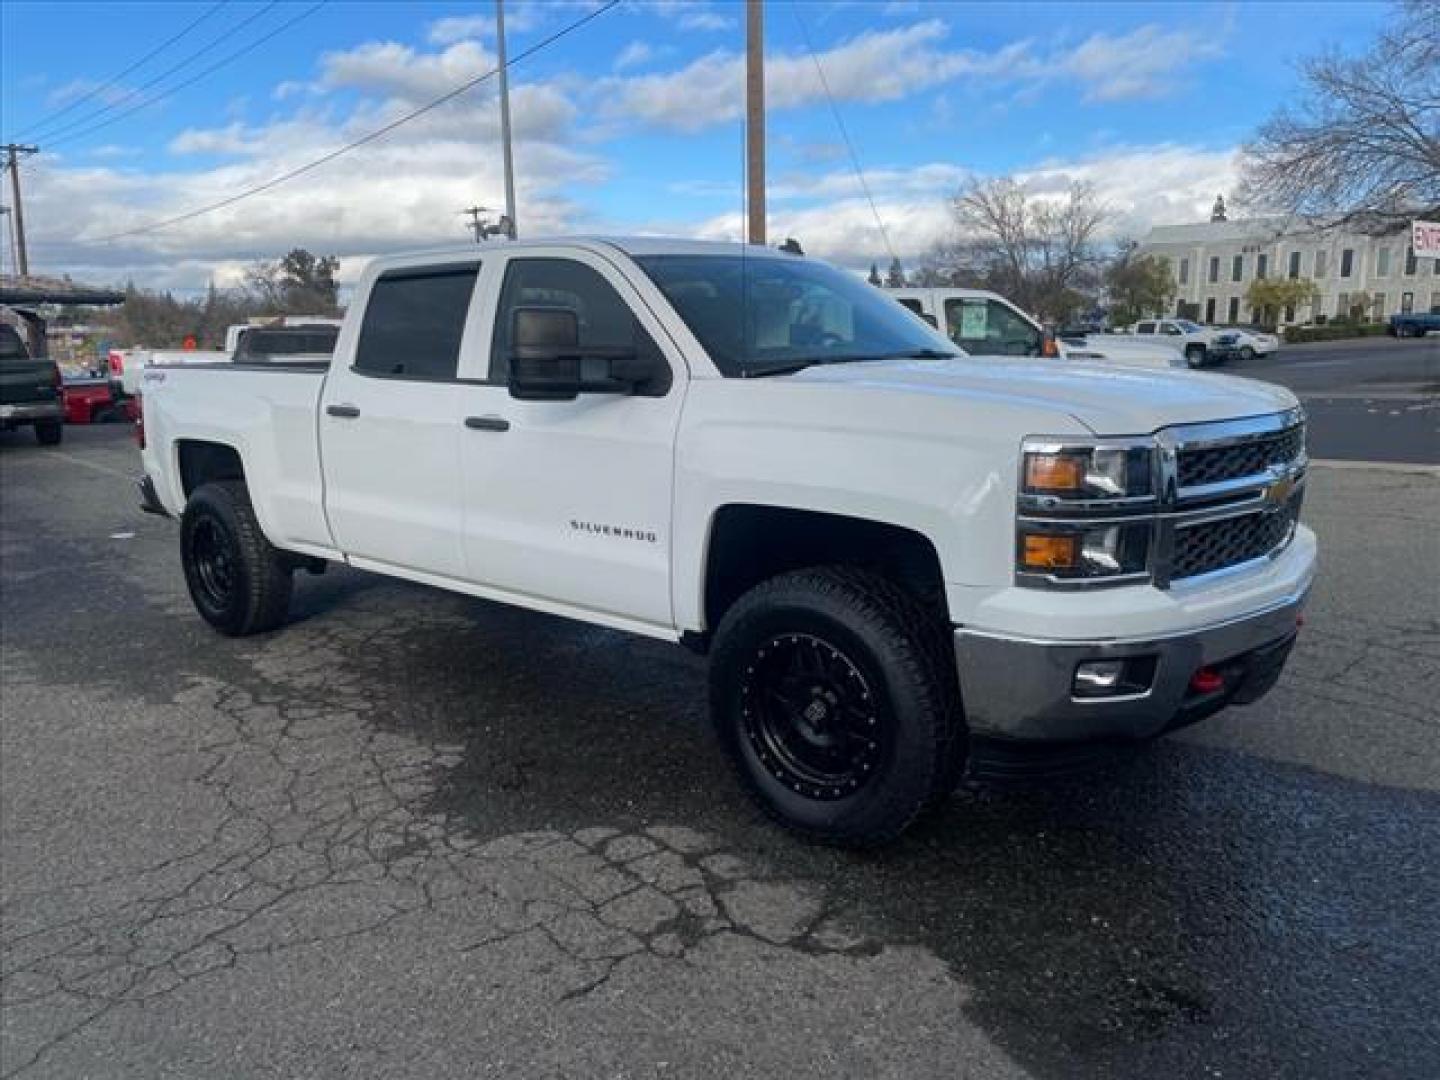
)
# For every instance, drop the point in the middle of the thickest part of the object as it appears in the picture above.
(1289, 313)
(1342, 303)
(1210, 310)
(1294, 264)
(1262, 264)
(1407, 303)
(1185, 271)
(1237, 268)
(1378, 311)
(1382, 262)
(1347, 262)
(1410, 262)
(1215, 269)
(1435, 301)
(1321, 258)
(1233, 315)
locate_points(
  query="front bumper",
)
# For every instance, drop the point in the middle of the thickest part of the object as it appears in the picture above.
(1021, 688)
(26, 411)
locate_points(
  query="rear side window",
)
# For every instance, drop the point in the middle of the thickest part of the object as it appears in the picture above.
(1145, 328)
(414, 321)
(603, 319)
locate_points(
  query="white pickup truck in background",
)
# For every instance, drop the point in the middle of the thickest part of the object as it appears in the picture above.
(1190, 338)
(312, 335)
(905, 564)
(986, 324)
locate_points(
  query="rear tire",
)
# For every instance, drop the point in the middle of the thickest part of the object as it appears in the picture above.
(1195, 356)
(834, 695)
(49, 432)
(239, 583)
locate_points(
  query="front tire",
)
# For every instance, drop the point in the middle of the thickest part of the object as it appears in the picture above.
(834, 695)
(1247, 353)
(239, 583)
(49, 432)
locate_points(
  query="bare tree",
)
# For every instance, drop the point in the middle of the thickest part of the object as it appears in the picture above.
(1038, 250)
(1362, 145)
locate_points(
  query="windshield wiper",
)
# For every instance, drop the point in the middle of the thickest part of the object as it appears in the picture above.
(789, 367)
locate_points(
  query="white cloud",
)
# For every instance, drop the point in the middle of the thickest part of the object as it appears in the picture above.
(889, 65)
(633, 55)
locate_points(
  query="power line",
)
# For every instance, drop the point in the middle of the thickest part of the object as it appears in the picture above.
(845, 135)
(363, 140)
(46, 121)
(194, 78)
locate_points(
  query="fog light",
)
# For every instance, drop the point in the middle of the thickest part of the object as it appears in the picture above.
(1130, 677)
(1098, 677)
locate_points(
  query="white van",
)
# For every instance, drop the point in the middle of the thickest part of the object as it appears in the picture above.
(986, 324)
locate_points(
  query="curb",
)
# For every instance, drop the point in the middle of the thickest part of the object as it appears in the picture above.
(1414, 468)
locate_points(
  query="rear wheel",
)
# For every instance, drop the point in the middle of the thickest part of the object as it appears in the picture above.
(240, 583)
(836, 701)
(49, 432)
(1195, 355)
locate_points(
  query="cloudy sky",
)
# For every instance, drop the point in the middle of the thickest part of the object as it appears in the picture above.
(631, 123)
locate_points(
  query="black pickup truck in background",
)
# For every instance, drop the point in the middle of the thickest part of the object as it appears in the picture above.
(30, 389)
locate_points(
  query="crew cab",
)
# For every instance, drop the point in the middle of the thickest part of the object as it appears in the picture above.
(1192, 339)
(984, 323)
(904, 564)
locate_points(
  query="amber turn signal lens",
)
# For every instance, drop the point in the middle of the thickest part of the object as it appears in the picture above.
(1050, 552)
(1054, 472)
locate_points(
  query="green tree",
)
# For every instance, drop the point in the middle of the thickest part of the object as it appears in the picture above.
(1268, 297)
(1139, 285)
(300, 283)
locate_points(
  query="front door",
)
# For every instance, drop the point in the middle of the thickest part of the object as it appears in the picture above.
(391, 422)
(569, 502)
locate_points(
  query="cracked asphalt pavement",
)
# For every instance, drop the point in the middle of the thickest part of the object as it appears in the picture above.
(418, 835)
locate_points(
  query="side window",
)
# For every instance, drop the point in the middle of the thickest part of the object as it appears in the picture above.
(1171, 329)
(988, 328)
(604, 320)
(1145, 328)
(414, 320)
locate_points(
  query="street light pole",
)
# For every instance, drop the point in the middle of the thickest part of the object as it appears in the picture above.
(505, 116)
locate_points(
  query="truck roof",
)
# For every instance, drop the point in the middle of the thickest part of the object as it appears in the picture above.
(630, 245)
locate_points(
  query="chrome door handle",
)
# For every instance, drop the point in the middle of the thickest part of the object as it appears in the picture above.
(487, 423)
(347, 411)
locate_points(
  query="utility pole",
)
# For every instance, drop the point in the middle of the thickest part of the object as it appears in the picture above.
(477, 223)
(505, 118)
(755, 117)
(13, 152)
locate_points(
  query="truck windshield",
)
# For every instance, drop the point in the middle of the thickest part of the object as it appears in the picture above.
(769, 315)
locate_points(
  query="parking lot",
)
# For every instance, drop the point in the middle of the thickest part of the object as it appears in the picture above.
(415, 834)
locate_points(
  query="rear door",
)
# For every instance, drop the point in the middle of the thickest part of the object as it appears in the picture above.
(569, 502)
(391, 422)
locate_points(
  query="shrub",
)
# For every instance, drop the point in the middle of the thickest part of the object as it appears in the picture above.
(1335, 331)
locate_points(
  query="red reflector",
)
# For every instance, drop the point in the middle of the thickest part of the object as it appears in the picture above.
(1299, 621)
(1207, 681)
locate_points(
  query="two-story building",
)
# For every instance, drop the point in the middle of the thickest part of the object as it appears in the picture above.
(1215, 262)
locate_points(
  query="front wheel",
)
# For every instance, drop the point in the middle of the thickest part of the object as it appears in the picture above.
(835, 698)
(49, 432)
(240, 584)
(1195, 356)
(1247, 353)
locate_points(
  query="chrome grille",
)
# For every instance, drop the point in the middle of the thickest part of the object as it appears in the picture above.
(1199, 465)
(1215, 545)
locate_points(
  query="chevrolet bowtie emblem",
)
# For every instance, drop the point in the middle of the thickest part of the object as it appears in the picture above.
(1278, 493)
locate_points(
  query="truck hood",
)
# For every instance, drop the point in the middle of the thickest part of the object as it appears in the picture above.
(1106, 398)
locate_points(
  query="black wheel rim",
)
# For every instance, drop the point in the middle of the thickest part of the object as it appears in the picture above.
(214, 562)
(811, 717)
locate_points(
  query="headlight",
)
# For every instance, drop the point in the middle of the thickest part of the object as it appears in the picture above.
(1052, 474)
(1069, 551)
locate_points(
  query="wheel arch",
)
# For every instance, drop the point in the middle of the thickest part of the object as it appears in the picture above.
(749, 543)
(201, 461)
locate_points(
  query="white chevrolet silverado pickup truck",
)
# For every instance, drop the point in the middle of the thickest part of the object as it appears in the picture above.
(905, 565)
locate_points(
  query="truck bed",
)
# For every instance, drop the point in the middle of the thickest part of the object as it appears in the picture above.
(267, 412)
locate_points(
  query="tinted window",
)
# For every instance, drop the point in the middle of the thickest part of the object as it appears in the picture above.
(987, 328)
(414, 321)
(757, 312)
(602, 318)
(1145, 328)
(259, 345)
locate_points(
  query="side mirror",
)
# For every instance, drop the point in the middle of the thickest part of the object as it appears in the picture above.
(544, 355)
